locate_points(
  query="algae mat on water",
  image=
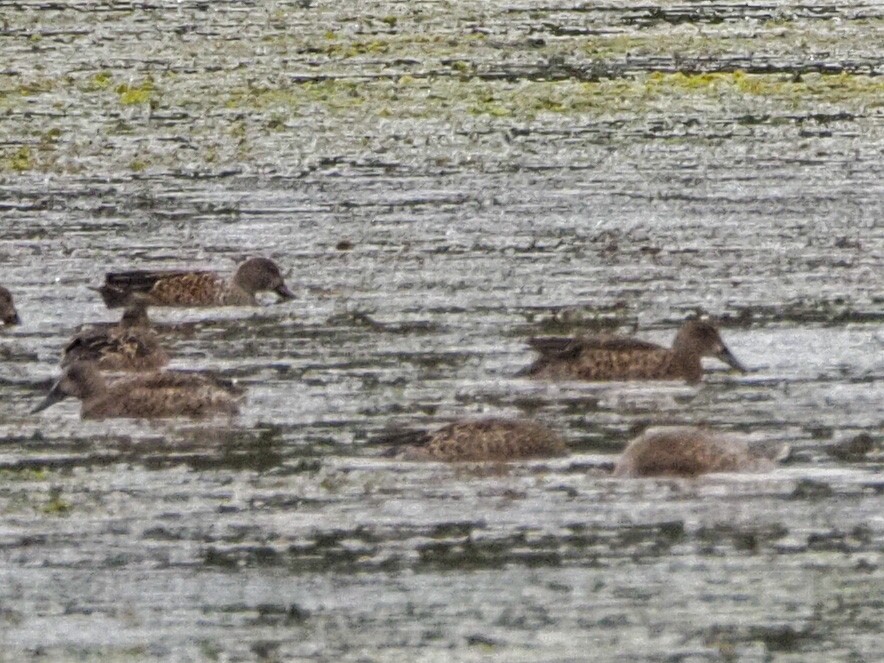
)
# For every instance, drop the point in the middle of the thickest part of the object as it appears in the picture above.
(209, 88)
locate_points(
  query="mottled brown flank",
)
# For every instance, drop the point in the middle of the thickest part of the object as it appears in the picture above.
(128, 346)
(117, 349)
(157, 395)
(8, 314)
(596, 360)
(489, 440)
(687, 452)
(194, 289)
(615, 358)
(162, 394)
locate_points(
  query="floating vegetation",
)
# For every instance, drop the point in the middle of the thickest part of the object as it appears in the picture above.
(133, 95)
(500, 65)
(645, 93)
(56, 505)
(21, 159)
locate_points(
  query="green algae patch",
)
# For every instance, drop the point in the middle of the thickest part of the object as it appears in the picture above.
(24, 474)
(100, 81)
(35, 87)
(56, 505)
(333, 94)
(344, 76)
(345, 50)
(134, 95)
(22, 160)
(441, 96)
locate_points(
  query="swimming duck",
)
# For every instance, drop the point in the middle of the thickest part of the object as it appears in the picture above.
(615, 358)
(8, 314)
(194, 287)
(153, 395)
(130, 345)
(476, 440)
(687, 452)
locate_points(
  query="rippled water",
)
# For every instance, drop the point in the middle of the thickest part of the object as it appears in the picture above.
(441, 181)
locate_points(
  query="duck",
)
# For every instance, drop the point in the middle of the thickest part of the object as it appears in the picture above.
(663, 451)
(147, 396)
(477, 440)
(8, 314)
(130, 345)
(688, 452)
(619, 358)
(194, 288)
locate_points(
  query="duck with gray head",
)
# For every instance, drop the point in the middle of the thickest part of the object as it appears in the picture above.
(150, 396)
(195, 287)
(130, 345)
(8, 314)
(615, 358)
(477, 440)
(688, 452)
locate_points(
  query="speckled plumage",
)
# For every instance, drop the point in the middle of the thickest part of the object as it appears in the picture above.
(687, 452)
(613, 358)
(195, 287)
(8, 314)
(128, 346)
(154, 395)
(478, 440)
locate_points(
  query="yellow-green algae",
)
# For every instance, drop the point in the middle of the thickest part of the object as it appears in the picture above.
(408, 96)
(100, 81)
(21, 160)
(24, 474)
(408, 39)
(56, 505)
(429, 63)
(269, 108)
(132, 95)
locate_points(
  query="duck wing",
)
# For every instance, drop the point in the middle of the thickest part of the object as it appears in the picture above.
(188, 380)
(618, 344)
(562, 347)
(116, 349)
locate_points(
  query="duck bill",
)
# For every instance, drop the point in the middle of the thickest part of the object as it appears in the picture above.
(283, 291)
(725, 355)
(55, 394)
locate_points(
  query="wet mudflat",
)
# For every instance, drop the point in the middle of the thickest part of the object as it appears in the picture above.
(442, 181)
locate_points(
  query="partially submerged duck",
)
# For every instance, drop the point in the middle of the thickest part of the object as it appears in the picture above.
(154, 395)
(130, 345)
(616, 358)
(688, 452)
(8, 314)
(489, 439)
(195, 287)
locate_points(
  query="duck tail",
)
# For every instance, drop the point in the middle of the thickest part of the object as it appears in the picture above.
(531, 369)
(398, 438)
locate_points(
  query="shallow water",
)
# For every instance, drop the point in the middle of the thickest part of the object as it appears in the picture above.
(441, 181)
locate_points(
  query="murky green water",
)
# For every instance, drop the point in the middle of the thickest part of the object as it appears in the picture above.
(441, 181)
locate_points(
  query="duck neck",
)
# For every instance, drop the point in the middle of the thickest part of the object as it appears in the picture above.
(242, 280)
(688, 362)
(92, 385)
(135, 316)
(236, 295)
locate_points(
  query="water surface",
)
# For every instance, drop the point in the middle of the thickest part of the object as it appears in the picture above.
(441, 181)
